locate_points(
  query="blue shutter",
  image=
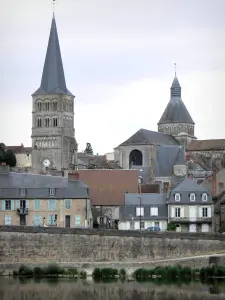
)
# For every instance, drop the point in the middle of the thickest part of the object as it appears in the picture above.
(49, 220)
(3, 204)
(17, 203)
(49, 204)
(12, 204)
(27, 203)
(37, 204)
(37, 220)
(54, 204)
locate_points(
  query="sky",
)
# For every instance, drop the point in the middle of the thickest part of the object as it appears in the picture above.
(118, 58)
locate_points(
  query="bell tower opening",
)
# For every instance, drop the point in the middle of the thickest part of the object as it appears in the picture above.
(135, 158)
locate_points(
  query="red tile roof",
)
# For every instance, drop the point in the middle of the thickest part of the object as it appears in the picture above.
(204, 145)
(107, 187)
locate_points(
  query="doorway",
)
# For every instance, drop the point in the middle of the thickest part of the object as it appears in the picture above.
(23, 220)
(67, 221)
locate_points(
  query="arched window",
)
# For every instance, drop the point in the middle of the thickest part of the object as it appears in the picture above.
(177, 197)
(39, 122)
(204, 197)
(55, 122)
(39, 106)
(135, 158)
(192, 197)
(47, 106)
(47, 122)
(54, 106)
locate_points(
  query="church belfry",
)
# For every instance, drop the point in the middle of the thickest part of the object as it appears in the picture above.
(176, 119)
(53, 134)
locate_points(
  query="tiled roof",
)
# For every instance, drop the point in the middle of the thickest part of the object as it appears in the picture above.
(20, 149)
(204, 145)
(148, 137)
(108, 187)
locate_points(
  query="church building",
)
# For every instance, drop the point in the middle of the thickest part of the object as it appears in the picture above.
(53, 135)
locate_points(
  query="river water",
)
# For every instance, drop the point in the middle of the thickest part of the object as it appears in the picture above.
(15, 289)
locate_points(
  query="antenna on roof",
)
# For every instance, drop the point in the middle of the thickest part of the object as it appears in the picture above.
(53, 5)
(175, 69)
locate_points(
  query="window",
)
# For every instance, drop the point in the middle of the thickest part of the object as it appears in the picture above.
(39, 106)
(68, 203)
(47, 122)
(204, 197)
(177, 212)
(139, 211)
(55, 122)
(154, 211)
(8, 220)
(205, 212)
(39, 122)
(51, 204)
(52, 220)
(77, 220)
(47, 106)
(37, 204)
(52, 192)
(54, 106)
(22, 192)
(192, 197)
(142, 225)
(8, 205)
(37, 220)
(177, 197)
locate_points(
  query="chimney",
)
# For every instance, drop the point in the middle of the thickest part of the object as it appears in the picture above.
(75, 176)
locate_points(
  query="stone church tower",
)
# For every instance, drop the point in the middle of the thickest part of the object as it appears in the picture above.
(176, 120)
(53, 140)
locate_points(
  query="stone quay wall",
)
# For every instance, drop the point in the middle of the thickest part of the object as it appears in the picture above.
(79, 247)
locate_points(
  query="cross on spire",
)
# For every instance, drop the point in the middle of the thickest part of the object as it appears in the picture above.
(175, 68)
(53, 5)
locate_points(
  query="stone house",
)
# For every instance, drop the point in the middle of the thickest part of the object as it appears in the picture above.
(40, 200)
(191, 207)
(23, 156)
(143, 210)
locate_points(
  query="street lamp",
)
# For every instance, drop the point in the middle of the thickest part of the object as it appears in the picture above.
(140, 181)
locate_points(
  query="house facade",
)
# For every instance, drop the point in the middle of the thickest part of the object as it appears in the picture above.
(190, 206)
(40, 200)
(141, 211)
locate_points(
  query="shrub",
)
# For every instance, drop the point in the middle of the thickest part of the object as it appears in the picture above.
(53, 270)
(171, 226)
(37, 272)
(15, 273)
(185, 272)
(143, 274)
(172, 272)
(72, 272)
(83, 274)
(25, 271)
(122, 273)
(97, 274)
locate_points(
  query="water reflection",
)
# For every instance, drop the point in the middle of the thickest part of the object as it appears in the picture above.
(61, 289)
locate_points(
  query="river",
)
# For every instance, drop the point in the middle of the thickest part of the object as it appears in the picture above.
(15, 289)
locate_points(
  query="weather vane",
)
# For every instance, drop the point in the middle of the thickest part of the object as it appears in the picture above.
(175, 68)
(53, 4)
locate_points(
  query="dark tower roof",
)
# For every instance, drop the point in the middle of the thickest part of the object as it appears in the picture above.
(176, 111)
(53, 78)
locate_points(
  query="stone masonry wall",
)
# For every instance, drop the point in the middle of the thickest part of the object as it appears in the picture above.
(61, 245)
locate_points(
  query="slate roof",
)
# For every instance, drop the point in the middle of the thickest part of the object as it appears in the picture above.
(148, 137)
(204, 145)
(37, 186)
(185, 188)
(166, 158)
(132, 201)
(107, 187)
(53, 78)
(20, 149)
(176, 111)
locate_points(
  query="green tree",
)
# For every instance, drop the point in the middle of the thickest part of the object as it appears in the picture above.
(171, 226)
(88, 149)
(7, 156)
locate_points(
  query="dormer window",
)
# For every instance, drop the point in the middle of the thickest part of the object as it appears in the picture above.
(52, 192)
(204, 197)
(22, 192)
(192, 197)
(177, 197)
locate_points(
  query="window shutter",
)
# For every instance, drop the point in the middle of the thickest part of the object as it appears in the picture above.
(209, 212)
(172, 210)
(156, 211)
(137, 211)
(27, 203)
(12, 204)
(49, 204)
(17, 203)
(200, 212)
(3, 204)
(182, 212)
(142, 211)
(49, 219)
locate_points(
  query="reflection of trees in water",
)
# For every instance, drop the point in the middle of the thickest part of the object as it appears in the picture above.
(70, 290)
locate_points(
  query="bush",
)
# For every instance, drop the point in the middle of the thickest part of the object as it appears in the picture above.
(83, 274)
(25, 271)
(73, 272)
(15, 273)
(143, 274)
(97, 274)
(53, 270)
(172, 272)
(122, 273)
(37, 272)
(104, 273)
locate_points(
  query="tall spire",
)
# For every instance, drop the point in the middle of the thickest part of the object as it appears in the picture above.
(53, 78)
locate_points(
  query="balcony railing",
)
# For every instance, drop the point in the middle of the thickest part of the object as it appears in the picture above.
(22, 211)
(191, 219)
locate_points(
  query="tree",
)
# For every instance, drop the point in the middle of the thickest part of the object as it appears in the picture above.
(88, 149)
(171, 226)
(7, 156)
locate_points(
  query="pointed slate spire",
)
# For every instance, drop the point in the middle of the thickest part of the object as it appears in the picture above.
(176, 111)
(53, 78)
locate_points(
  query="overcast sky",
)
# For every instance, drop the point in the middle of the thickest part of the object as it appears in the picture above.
(118, 60)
